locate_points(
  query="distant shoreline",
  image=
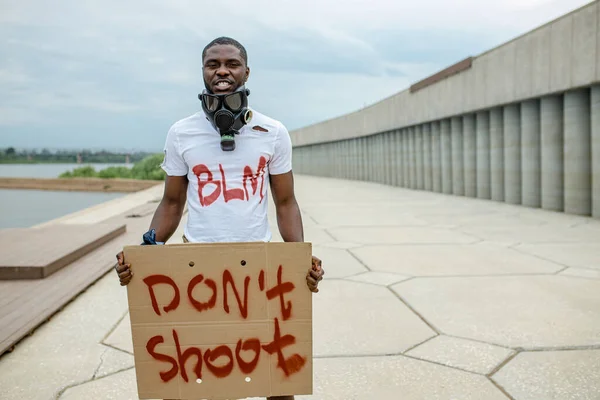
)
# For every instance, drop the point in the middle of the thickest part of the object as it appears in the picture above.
(78, 184)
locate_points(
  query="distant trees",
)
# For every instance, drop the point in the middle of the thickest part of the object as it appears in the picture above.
(146, 169)
(14, 156)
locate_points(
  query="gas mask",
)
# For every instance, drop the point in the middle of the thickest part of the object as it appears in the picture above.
(227, 113)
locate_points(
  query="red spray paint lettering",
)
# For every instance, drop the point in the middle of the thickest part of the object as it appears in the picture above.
(206, 179)
(221, 360)
(225, 356)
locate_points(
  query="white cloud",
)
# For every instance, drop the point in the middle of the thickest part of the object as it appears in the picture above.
(310, 59)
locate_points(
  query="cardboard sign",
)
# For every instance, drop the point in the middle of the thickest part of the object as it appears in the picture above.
(221, 321)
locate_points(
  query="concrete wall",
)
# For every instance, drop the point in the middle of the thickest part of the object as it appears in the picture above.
(525, 132)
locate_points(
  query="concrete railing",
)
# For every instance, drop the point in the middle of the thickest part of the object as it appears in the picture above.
(530, 138)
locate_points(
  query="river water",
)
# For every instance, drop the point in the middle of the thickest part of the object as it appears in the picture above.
(25, 208)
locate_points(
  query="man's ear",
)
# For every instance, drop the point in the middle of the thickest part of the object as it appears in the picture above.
(247, 74)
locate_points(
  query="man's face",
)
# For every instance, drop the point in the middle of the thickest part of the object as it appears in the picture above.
(224, 69)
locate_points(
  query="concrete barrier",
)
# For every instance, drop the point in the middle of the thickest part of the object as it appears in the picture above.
(525, 133)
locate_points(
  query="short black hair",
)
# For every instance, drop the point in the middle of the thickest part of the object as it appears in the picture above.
(224, 40)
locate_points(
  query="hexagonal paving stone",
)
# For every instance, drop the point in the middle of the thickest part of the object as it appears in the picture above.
(482, 219)
(338, 263)
(471, 259)
(378, 278)
(360, 215)
(120, 337)
(582, 273)
(317, 235)
(397, 377)
(552, 375)
(352, 318)
(534, 234)
(514, 311)
(118, 386)
(112, 361)
(400, 235)
(340, 245)
(465, 354)
(585, 255)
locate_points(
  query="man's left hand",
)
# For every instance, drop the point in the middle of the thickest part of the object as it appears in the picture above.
(314, 275)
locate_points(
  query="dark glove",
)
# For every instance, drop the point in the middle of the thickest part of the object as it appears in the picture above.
(150, 238)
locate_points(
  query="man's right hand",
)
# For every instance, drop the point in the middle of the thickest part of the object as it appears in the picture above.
(124, 270)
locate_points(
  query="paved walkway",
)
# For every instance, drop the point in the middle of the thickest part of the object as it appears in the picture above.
(426, 296)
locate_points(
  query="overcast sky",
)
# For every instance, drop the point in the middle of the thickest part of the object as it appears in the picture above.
(116, 74)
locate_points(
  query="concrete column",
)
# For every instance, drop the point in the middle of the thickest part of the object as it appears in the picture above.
(311, 159)
(531, 161)
(578, 161)
(372, 159)
(354, 167)
(376, 159)
(552, 145)
(595, 139)
(393, 159)
(427, 183)
(316, 164)
(387, 167)
(470, 155)
(366, 158)
(323, 160)
(333, 159)
(328, 160)
(343, 146)
(384, 157)
(350, 162)
(306, 159)
(390, 149)
(405, 158)
(483, 155)
(340, 157)
(497, 154)
(347, 163)
(381, 162)
(411, 158)
(446, 153)
(419, 156)
(436, 157)
(357, 159)
(512, 154)
(332, 156)
(458, 177)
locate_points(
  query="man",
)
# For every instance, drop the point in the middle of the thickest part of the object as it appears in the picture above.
(222, 161)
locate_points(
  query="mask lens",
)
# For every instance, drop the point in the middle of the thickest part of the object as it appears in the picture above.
(234, 101)
(211, 102)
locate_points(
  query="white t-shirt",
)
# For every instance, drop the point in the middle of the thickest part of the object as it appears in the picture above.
(227, 193)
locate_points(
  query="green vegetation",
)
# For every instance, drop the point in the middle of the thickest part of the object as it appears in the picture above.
(11, 155)
(146, 169)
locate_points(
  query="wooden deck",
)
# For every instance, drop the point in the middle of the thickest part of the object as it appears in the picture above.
(27, 303)
(78, 184)
(38, 253)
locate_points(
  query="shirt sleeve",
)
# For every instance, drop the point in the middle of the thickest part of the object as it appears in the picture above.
(173, 163)
(282, 154)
